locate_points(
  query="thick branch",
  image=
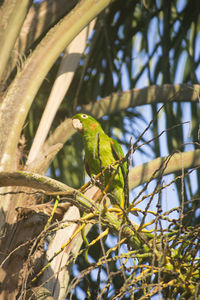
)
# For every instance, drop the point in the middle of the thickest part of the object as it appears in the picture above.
(141, 174)
(32, 180)
(39, 19)
(138, 175)
(46, 185)
(119, 101)
(41, 164)
(12, 17)
(135, 97)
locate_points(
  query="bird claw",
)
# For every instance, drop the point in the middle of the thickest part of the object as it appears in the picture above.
(93, 179)
(111, 168)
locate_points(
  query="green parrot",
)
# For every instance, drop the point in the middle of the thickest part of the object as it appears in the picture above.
(102, 151)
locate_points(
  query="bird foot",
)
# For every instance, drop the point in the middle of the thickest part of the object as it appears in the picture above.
(111, 168)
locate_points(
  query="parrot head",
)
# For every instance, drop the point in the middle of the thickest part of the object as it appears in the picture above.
(82, 122)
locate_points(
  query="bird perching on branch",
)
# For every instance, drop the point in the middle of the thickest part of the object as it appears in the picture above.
(103, 155)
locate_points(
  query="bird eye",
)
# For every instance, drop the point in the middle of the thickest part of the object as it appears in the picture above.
(84, 116)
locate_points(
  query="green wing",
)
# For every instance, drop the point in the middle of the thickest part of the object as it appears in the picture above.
(118, 154)
(87, 167)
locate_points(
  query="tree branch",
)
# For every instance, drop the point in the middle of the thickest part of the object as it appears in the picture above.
(40, 18)
(12, 17)
(148, 95)
(137, 175)
(32, 180)
(163, 166)
(132, 98)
